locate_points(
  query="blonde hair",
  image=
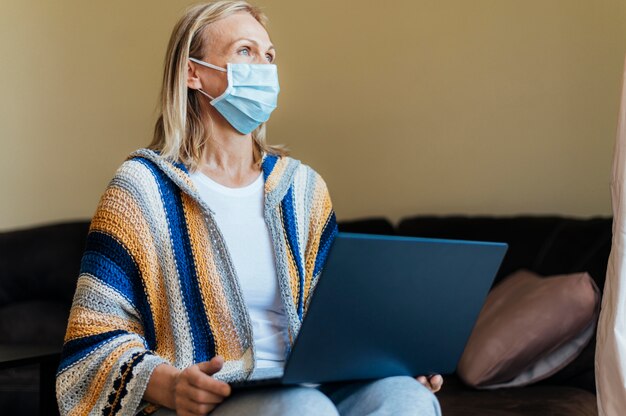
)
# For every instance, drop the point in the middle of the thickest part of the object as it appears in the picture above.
(179, 133)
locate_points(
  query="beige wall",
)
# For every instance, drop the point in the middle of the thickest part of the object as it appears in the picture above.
(405, 107)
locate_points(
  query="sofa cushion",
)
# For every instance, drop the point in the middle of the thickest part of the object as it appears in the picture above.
(19, 390)
(525, 235)
(367, 226)
(529, 328)
(33, 323)
(577, 245)
(41, 263)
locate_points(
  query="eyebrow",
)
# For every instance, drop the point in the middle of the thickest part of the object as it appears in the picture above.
(251, 41)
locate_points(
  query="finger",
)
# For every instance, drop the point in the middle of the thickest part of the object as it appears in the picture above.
(213, 366)
(422, 380)
(184, 412)
(435, 387)
(207, 383)
(197, 409)
(201, 396)
(436, 381)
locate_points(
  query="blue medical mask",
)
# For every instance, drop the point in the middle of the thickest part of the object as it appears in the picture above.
(250, 97)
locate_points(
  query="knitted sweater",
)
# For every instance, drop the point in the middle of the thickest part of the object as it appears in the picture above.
(157, 284)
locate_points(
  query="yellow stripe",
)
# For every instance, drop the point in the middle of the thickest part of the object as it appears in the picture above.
(276, 175)
(313, 241)
(119, 216)
(227, 344)
(85, 322)
(316, 227)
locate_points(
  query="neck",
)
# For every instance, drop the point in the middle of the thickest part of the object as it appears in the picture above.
(228, 156)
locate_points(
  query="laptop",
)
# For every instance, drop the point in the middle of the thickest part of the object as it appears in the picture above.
(388, 306)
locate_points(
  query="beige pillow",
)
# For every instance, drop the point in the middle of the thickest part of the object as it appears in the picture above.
(529, 328)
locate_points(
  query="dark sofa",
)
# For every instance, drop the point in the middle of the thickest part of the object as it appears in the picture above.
(547, 245)
(38, 272)
(39, 267)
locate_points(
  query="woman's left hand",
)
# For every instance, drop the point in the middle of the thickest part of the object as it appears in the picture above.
(432, 383)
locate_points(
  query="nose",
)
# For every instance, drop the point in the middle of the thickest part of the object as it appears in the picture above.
(260, 60)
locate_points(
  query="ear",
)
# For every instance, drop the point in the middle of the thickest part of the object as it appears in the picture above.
(193, 79)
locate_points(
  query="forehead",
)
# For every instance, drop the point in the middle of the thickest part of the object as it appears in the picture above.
(240, 25)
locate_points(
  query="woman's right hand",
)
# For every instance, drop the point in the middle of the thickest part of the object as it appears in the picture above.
(196, 393)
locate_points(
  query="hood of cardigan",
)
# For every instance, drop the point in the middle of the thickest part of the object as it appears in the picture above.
(277, 174)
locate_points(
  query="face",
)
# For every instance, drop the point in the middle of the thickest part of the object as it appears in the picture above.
(238, 38)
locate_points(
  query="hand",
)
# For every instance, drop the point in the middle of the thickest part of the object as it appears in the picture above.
(196, 393)
(432, 383)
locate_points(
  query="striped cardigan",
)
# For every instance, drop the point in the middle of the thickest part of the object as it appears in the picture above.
(157, 283)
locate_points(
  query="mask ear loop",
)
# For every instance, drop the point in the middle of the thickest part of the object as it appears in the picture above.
(208, 65)
(204, 93)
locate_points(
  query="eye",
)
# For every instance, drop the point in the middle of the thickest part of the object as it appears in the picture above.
(245, 51)
(269, 57)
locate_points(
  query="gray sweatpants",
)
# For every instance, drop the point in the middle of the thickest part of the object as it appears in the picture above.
(401, 396)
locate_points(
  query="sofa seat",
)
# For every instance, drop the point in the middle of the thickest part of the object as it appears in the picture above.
(456, 399)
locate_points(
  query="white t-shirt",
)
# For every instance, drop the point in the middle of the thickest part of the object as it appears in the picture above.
(239, 216)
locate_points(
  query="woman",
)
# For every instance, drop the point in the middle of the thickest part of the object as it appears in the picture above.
(205, 248)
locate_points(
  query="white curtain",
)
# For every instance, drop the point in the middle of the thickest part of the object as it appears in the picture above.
(611, 344)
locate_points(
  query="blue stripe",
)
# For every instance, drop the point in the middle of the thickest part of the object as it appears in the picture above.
(203, 341)
(109, 261)
(108, 272)
(326, 240)
(268, 165)
(76, 349)
(289, 222)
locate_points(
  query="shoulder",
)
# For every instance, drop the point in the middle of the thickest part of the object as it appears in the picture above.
(139, 188)
(296, 171)
(137, 178)
(307, 184)
(315, 182)
(143, 166)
